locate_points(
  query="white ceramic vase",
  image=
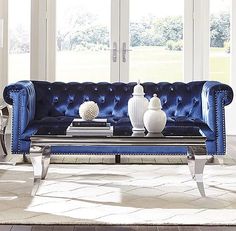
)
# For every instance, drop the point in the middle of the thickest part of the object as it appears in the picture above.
(154, 118)
(137, 106)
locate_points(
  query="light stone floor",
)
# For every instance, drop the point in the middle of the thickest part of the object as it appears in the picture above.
(118, 194)
(149, 193)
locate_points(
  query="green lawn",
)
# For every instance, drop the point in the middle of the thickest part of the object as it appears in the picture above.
(219, 65)
(155, 64)
(146, 63)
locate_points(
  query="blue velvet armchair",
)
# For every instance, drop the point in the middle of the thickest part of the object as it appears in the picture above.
(50, 108)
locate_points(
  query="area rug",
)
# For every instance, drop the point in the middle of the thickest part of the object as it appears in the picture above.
(118, 195)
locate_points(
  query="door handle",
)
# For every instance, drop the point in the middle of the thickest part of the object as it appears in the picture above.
(124, 52)
(114, 52)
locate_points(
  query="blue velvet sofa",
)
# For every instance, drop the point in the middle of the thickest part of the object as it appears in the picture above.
(40, 106)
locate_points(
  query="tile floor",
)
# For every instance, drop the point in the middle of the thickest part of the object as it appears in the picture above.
(118, 194)
(114, 228)
(147, 194)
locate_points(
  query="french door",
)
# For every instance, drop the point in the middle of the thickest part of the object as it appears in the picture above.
(87, 46)
(119, 40)
(152, 40)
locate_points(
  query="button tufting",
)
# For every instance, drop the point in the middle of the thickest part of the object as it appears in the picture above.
(102, 99)
(171, 89)
(179, 100)
(49, 88)
(110, 89)
(164, 101)
(95, 89)
(117, 99)
(195, 100)
(55, 100)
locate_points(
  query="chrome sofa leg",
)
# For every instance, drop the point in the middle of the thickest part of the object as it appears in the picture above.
(4, 118)
(196, 163)
(40, 159)
(3, 155)
(220, 160)
(3, 143)
(117, 159)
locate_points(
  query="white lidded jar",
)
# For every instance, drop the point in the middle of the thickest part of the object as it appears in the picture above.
(154, 118)
(137, 106)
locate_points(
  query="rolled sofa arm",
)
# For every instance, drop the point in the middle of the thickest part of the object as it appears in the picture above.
(22, 96)
(215, 96)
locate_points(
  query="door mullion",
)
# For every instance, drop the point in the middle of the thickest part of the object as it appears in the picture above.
(124, 40)
(115, 41)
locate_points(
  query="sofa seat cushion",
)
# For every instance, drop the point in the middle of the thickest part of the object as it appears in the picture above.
(58, 125)
(185, 121)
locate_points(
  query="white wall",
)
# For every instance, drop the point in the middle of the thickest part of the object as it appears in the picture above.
(3, 51)
(231, 109)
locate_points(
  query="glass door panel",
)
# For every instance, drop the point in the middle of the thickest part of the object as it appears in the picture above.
(19, 40)
(83, 40)
(156, 40)
(220, 40)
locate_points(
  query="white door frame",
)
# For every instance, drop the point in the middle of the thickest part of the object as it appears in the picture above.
(4, 49)
(38, 43)
(188, 40)
(115, 41)
(124, 41)
(201, 40)
(231, 109)
(51, 40)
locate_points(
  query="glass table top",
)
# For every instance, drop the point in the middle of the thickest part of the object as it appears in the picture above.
(170, 131)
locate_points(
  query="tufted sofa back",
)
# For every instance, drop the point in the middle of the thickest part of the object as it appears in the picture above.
(64, 99)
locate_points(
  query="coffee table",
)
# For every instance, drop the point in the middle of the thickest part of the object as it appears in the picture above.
(190, 137)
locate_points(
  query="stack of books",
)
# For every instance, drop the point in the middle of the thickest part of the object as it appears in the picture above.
(96, 127)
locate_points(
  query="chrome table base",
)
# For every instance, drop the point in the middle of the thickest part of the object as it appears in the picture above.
(4, 118)
(196, 165)
(40, 159)
(41, 148)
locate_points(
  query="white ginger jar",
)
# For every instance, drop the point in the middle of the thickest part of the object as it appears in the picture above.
(88, 110)
(137, 106)
(154, 118)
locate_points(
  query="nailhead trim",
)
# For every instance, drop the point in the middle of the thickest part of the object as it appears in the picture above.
(138, 153)
(218, 122)
(13, 121)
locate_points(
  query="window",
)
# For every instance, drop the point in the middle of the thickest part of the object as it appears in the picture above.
(83, 37)
(156, 40)
(19, 40)
(219, 62)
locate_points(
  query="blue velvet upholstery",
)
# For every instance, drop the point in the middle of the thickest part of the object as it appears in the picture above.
(40, 106)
